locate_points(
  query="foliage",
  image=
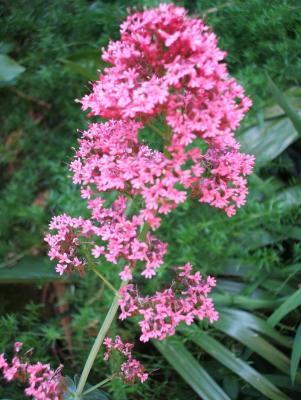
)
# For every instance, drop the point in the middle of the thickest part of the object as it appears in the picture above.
(256, 255)
(260, 36)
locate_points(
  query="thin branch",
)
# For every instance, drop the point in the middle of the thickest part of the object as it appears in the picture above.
(104, 279)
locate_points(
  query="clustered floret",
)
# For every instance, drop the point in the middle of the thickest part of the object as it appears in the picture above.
(169, 64)
(113, 230)
(131, 369)
(163, 312)
(42, 383)
(167, 75)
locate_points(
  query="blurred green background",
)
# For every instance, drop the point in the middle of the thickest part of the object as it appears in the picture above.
(49, 51)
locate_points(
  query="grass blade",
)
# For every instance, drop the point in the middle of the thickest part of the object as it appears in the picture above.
(230, 300)
(257, 324)
(286, 307)
(296, 354)
(30, 270)
(269, 141)
(9, 69)
(81, 70)
(287, 198)
(190, 370)
(238, 366)
(287, 108)
(283, 382)
(256, 343)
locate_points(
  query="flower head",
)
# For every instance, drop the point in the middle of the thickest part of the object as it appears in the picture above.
(42, 383)
(168, 64)
(167, 76)
(131, 369)
(162, 312)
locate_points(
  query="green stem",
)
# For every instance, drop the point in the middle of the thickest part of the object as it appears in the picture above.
(104, 279)
(145, 229)
(100, 384)
(105, 326)
(97, 344)
(166, 135)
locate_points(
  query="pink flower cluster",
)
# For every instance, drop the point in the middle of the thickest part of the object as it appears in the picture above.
(162, 312)
(42, 382)
(116, 234)
(166, 71)
(110, 157)
(167, 76)
(64, 244)
(169, 64)
(131, 369)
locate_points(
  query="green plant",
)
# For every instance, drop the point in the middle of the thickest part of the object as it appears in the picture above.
(256, 256)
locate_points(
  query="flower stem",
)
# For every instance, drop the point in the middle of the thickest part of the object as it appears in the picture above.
(104, 328)
(108, 283)
(144, 231)
(100, 384)
(97, 344)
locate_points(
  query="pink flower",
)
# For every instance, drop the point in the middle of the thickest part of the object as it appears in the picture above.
(162, 312)
(166, 76)
(131, 369)
(97, 251)
(3, 363)
(126, 274)
(18, 346)
(42, 382)
(178, 73)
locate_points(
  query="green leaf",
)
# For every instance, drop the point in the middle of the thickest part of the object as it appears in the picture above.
(251, 339)
(282, 381)
(253, 286)
(6, 47)
(86, 55)
(296, 354)
(235, 267)
(293, 95)
(230, 300)
(289, 231)
(95, 395)
(286, 307)
(259, 238)
(71, 385)
(284, 104)
(287, 198)
(9, 69)
(269, 141)
(259, 325)
(81, 70)
(229, 360)
(85, 63)
(231, 386)
(289, 269)
(190, 370)
(70, 388)
(28, 270)
(233, 287)
(276, 286)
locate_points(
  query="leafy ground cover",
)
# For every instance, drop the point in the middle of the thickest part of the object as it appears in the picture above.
(251, 352)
